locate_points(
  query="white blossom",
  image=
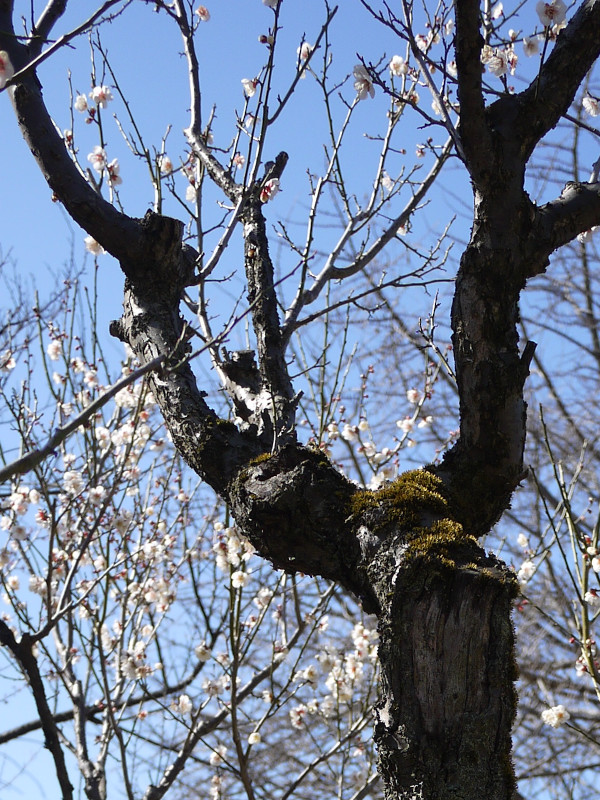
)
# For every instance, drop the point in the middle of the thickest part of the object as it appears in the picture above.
(591, 105)
(526, 571)
(101, 95)
(555, 716)
(81, 103)
(552, 13)
(363, 84)
(398, 66)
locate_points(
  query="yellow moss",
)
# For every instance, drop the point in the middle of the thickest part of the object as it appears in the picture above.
(260, 459)
(405, 499)
(407, 504)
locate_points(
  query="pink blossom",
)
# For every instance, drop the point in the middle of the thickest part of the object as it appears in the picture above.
(239, 160)
(203, 13)
(6, 69)
(113, 172)
(298, 713)
(269, 190)
(362, 82)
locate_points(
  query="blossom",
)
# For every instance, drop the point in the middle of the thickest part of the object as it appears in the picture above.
(92, 246)
(596, 564)
(523, 541)
(552, 13)
(7, 361)
(203, 13)
(54, 349)
(266, 38)
(81, 103)
(530, 46)
(38, 585)
(499, 60)
(497, 10)
(217, 756)
(202, 651)
(362, 82)
(592, 598)
(304, 51)
(101, 95)
(254, 738)
(190, 193)
(350, 433)
(269, 190)
(97, 158)
(183, 705)
(526, 571)
(405, 424)
(166, 165)
(398, 66)
(239, 160)
(413, 396)
(555, 716)
(97, 495)
(298, 713)
(249, 85)
(13, 583)
(239, 579)
(73, 482)
(6, 69)
(591, 105)
(113, 172)
(271, 3)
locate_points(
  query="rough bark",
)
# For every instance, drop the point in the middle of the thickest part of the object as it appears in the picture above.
(447, 692)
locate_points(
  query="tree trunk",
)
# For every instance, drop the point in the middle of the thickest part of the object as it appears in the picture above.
(447, 694)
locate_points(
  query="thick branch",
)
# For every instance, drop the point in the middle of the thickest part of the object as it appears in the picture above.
(575, 211)
(543, 103)
(474, 132)
(275, 381)
(118, 233)
(153, 328)
(23, 652)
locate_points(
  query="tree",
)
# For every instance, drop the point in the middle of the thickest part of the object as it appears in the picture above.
(409, 549)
